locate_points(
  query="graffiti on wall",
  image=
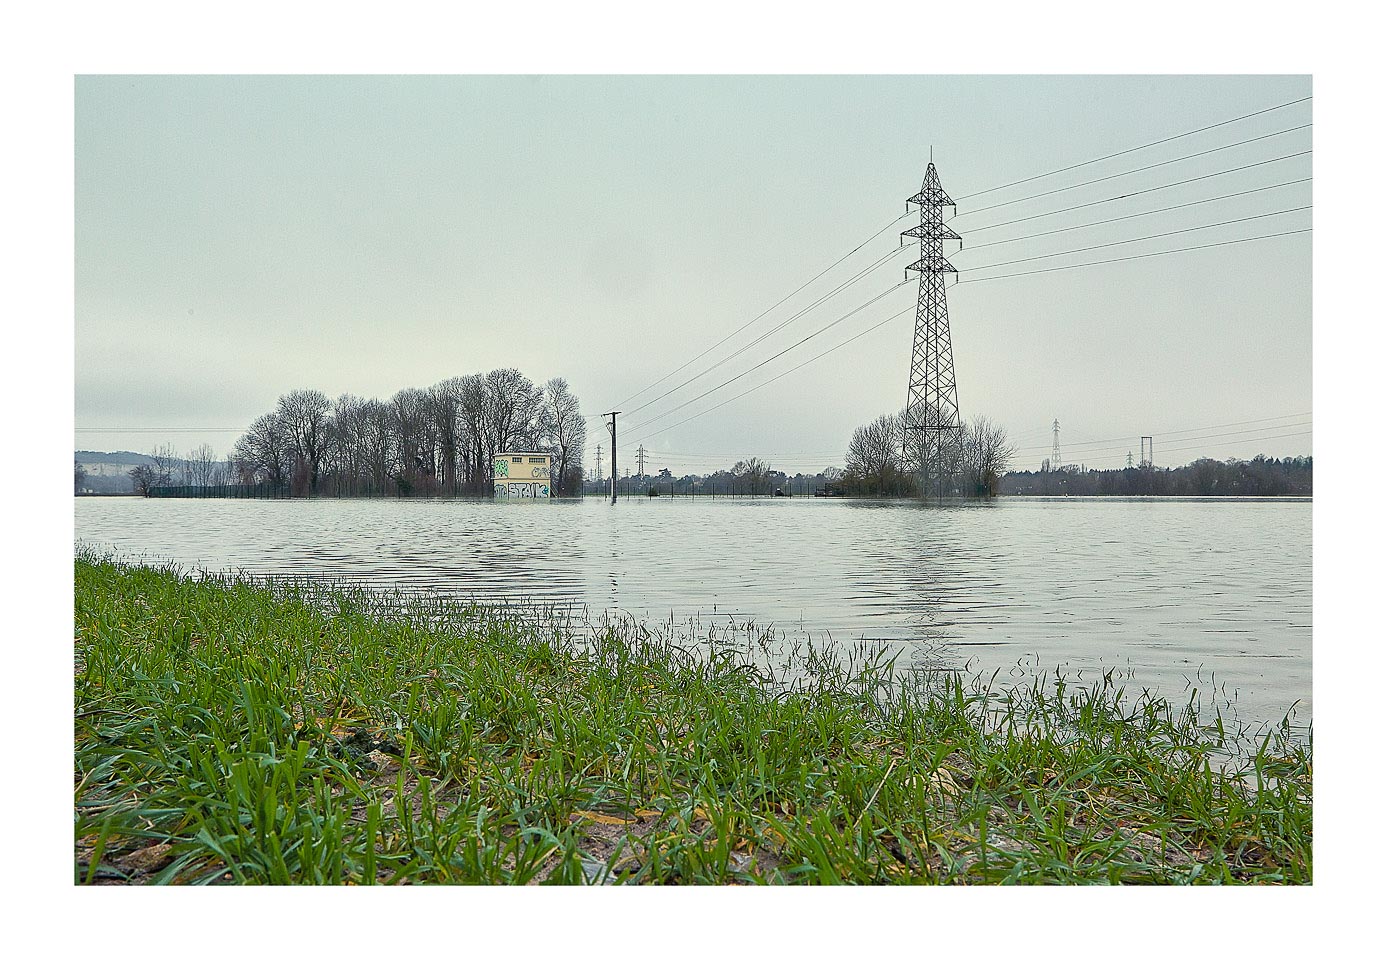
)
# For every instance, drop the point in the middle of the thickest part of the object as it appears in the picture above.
(521, 491)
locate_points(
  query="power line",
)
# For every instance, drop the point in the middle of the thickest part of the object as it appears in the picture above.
(1133, 216)
(158, 429)
(1279, 436)
(767, 310)
(771, 332)
(1153, 236)
(903, 313)
(1135, 256)
(774, 356)
(863, 333)
(1174, 433)
(1137, 193)
(988, 267)
(896, 220)
(1229, 443)
(893, 222)
(1088, 449)
(1153, 143)
(1128, 173)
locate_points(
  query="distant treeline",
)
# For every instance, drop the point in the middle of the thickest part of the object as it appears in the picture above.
(746, 478)
(1259, 477)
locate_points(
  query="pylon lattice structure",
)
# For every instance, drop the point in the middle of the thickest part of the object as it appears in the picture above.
(1055, 453)
(933, 431)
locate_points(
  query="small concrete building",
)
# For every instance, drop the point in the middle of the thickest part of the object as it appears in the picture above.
(521, 476)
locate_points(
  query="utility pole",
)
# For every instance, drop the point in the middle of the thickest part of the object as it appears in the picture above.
(1055, 453)
(611, 425)
(931, 414)
(640, 460)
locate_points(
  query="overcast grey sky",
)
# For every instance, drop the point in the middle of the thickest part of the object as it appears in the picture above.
(239, 237)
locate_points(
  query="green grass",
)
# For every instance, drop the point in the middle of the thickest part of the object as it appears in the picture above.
(227, 730)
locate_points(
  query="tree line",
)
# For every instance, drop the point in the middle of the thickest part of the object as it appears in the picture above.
(435, 441)
(1259, 477)
(750, 477)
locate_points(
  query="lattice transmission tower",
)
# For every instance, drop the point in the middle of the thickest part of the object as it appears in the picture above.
(933, 431)
(1055, 453)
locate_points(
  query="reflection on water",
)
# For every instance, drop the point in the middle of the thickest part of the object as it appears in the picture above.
(1216, 592)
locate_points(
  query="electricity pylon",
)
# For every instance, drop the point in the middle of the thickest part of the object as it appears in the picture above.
(933, 431)
(1055, 453)
(599, 463)
(640, 460)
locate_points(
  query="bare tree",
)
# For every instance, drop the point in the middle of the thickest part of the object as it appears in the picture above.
(987, 454)
(144, 477)
(476, 455)
(305, 414)
(874, 461)
(749, 475)
(564, 434)
(511, 411)
(165, 457)
(410, 412)
(201, 464)
(444, 401)
(265, 451)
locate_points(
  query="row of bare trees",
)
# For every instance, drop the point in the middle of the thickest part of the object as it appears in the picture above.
(881, 463)
(200, 467)
(435, 441)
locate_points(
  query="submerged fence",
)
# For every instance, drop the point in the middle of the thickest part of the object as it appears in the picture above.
(226, 491)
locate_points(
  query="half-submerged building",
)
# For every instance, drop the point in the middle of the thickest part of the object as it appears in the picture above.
(521, 476)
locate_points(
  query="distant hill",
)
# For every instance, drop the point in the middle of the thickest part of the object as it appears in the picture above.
(125, 457)
(110, 472)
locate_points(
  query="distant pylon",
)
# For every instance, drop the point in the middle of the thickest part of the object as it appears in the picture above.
(1055, 452)
(1129, 459)
(640, 461)
(933, 432)
(599, 463)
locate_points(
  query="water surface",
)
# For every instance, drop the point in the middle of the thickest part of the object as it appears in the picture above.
(1212, 592)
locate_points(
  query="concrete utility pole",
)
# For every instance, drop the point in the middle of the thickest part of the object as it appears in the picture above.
(611, 425)
(640, 460)
(932, 420)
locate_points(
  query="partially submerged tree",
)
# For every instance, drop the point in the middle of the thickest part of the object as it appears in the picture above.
(565, 434)
(875, 460)
(304, 415)
(987, 455)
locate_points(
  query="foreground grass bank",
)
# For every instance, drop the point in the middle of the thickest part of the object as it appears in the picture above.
(228, 731)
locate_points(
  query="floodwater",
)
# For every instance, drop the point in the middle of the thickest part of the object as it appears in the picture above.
(1214, 593)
